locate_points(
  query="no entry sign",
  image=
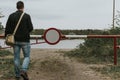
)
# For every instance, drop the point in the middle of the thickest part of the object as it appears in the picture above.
(52, 36)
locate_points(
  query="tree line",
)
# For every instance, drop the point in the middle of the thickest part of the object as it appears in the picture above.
(70, 32)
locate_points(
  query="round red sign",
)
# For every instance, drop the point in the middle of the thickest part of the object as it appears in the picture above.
(52, 36)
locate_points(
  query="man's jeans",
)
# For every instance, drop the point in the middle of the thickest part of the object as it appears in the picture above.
(25, 46)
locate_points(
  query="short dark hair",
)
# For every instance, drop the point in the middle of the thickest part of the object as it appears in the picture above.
(20, 5)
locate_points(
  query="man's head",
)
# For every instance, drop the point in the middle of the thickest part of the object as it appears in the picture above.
(20, 5)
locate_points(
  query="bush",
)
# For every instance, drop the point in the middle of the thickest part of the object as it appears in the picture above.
(4, 53)
(96, 49)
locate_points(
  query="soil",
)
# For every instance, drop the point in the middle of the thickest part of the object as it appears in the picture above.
(51, 64)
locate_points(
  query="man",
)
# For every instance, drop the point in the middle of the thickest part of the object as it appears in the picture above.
(22, 39)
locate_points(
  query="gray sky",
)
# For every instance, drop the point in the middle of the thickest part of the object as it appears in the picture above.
(64, 14)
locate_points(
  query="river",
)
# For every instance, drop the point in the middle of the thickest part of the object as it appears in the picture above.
(63, 44)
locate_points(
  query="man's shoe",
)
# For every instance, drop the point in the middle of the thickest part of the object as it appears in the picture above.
(24, 75)
(17, 78)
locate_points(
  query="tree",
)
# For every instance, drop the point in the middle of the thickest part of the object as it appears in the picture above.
(1, 26)
(117, 19)
(1, 15)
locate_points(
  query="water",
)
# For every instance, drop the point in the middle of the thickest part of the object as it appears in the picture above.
(63, 44)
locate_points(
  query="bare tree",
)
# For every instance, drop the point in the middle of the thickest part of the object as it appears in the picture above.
(1, 26)
(117, 19)
(1, 15)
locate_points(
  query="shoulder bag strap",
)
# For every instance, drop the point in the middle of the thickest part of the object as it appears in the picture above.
(18, 23)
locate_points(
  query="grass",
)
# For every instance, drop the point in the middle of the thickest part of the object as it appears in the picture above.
(53, 67)
(5, 53)
(112, 71)
(87, 58)
(7, 65)
(6, 68)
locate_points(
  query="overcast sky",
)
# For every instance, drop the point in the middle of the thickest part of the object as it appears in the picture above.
(64, 14)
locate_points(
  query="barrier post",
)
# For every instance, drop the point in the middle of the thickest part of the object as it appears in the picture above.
(115, 51)
(36, 40)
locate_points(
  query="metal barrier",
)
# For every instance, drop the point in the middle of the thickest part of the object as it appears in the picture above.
(100, 36)
(53, 36)
(35, 37)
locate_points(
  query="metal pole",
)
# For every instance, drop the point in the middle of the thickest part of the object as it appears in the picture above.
(115, 51)
(113, 14)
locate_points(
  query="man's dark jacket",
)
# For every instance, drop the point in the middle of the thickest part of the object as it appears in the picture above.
(25, 27)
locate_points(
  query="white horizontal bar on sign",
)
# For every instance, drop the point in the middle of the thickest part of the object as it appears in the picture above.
(68, 36)
(35, 36)
(76, 36)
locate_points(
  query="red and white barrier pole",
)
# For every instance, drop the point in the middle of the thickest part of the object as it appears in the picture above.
(53, 36)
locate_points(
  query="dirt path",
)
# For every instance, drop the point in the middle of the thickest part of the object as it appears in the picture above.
(49, 64)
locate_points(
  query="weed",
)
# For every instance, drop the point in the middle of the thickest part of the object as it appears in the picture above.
(110, 70)
(5, 53)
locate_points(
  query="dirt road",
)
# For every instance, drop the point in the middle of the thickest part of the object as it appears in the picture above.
(50, 64)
